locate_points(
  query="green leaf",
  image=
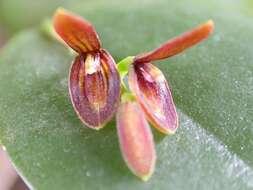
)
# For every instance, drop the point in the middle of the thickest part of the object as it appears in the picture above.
(212, 86)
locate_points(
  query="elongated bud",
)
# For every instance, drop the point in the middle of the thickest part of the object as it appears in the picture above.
(178, 44)
(94, 87)
(151, 90)
(136, 140)
(78, 33)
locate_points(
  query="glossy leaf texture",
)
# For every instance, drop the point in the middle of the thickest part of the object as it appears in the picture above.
(94, 87)
(152, 91)
(136, 140)
(211, 86)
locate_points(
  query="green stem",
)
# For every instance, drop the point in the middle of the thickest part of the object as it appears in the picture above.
(127, 96)
(123, 67)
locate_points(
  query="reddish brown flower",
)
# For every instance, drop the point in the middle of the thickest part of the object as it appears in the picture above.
(152, 92)
(94, 82)
(149, 85)
(94, 87)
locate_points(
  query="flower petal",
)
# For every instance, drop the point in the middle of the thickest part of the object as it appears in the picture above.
(152, 91)
(94, 87)
(78, 33)
(136, 140)
(178, 44)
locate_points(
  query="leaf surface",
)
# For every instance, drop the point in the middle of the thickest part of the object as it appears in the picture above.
(212, 86)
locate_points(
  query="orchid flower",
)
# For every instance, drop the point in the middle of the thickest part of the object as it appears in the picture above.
(94, 82)
(149, 93)
(97, 88)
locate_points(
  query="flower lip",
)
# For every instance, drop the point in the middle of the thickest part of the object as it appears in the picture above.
(151, 90)
(78, 33)
(94, 95)
(178, 44)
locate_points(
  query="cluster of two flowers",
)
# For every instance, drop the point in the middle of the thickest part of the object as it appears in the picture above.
(97, 88)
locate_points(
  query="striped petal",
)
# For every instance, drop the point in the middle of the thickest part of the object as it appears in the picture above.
(136, 140)
(78, 33)
(178, 44)
(94, 87)
(152, 92)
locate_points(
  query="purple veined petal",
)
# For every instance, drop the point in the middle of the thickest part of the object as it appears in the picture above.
(136, 140)
(178, 44)
(152, 92)
(94, 87)
(78, 33)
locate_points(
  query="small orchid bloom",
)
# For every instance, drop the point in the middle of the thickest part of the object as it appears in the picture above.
(148, 84)
(96, 85)
(151, 90)
(94, 82)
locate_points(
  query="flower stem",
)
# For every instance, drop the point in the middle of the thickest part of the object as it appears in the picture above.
(123, 67)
